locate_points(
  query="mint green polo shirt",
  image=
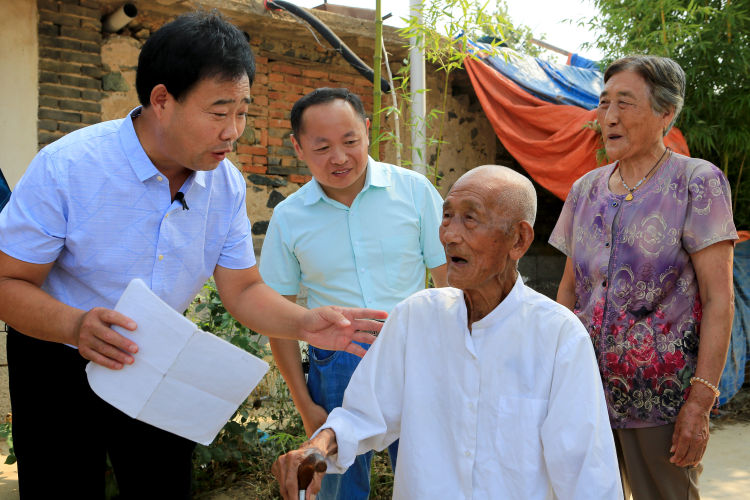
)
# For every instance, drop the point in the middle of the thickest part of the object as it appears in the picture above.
(372, 254)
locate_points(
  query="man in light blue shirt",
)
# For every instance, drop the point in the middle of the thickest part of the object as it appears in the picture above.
(360, 234)
(151, 196)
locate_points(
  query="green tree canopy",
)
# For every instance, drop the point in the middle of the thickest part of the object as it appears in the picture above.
(710, 39)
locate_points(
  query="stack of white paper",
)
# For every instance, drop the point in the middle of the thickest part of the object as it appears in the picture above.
(183, 380)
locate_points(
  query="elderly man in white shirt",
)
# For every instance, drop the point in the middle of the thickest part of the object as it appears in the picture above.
(492, 387)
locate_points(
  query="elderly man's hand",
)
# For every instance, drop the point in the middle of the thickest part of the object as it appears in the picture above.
(690, 435)
(305, 465)
(98, 342)
(337, 328)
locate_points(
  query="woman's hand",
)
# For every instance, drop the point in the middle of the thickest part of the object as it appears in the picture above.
(690, 435)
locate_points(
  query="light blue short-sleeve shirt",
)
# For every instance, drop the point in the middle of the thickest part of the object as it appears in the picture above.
(94, 204)
(372, 254)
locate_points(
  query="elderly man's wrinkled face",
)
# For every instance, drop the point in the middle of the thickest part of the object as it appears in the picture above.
(473, 235)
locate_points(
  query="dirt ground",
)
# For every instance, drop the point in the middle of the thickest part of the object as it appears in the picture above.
(726, 473)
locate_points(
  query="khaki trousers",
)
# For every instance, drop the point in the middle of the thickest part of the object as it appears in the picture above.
(647, 474)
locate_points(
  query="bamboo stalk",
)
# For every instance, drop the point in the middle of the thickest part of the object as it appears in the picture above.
(737, 185)
(376, 92)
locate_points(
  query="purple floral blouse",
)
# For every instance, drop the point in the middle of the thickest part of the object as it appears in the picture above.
(635, 286)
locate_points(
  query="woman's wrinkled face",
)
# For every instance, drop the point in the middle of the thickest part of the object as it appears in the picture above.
(630, 127)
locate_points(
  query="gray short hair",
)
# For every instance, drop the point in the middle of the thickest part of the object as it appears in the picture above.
(664, 77)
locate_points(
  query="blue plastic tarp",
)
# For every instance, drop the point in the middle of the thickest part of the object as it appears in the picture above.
(551, 82)
(581, 62)
(734, 371)
(4, 191)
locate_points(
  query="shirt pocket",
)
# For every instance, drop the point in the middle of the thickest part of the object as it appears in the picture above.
(402, 260)
(518, 437)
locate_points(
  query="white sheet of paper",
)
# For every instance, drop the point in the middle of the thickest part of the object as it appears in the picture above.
(183, 380)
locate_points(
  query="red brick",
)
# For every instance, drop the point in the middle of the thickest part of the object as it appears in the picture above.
(279, 104)
(341, 78)
(360, 90)
(284, 86)
(260, 79)
(294, 80)
(277, 113)
(314, 73)
(299, 179)
(253, 150)
(255, 110)
(263, 141)
(275, 77)
(285, 124)
(260, 160)
(244, 159)
(286, 68)
(275, 141)
(255, 169)
(260, 100)
(260, 123)
(261, 60)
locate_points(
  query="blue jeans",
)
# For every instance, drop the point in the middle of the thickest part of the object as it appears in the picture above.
(329, 375)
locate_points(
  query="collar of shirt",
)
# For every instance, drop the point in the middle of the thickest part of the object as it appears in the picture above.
(501, 311)
(374, 177)
(140, 162)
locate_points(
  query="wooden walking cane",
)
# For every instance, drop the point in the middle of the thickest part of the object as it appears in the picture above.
(312, 463)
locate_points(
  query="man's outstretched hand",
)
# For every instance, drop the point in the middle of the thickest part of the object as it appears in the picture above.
(338, 328)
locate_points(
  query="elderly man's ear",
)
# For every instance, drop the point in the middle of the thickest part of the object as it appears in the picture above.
(524, 235)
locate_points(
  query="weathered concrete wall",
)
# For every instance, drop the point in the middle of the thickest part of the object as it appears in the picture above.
(18, 108)
(18, 92)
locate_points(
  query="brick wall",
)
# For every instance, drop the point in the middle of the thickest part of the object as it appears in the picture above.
(69, 66)
(87, 76)
(280, 81)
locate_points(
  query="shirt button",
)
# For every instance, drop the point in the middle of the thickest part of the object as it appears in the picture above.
(614, 204)
(604, 283)
(467, 453)
(471, 406)
(606, 244)
(166, 216)
(161, 257)
(159, 178)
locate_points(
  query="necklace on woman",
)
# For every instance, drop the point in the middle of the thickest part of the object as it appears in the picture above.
(630, 190)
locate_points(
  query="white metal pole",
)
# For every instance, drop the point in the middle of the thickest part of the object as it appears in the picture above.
(419, 98)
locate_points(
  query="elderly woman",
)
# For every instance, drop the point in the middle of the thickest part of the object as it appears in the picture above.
(649, 241)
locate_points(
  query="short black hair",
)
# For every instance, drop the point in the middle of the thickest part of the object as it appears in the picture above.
(322, 96)
(194, 46)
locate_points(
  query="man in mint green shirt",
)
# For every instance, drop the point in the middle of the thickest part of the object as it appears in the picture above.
(361, 233)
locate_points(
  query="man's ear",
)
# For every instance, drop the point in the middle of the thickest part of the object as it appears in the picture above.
(159, 99)
(524, 235)
(297, 147)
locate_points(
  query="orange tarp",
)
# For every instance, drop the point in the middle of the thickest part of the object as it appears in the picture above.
(548, 140)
